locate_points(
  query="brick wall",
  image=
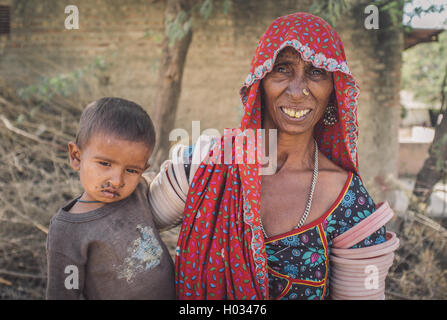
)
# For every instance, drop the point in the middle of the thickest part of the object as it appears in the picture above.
(40, 45)
(128, 37)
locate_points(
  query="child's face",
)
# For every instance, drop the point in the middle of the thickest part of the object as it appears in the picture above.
(110, 168)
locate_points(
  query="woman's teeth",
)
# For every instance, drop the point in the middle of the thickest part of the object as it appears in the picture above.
(294, 113)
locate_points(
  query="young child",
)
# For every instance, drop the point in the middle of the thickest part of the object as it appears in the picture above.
(104, 244)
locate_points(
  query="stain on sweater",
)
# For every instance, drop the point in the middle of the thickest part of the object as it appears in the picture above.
(144, 254)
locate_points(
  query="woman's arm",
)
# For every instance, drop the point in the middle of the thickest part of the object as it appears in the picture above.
(169, 188)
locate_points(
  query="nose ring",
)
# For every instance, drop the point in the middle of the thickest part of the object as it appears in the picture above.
(306, 92)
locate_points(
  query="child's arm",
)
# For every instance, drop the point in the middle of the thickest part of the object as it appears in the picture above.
(65, 276)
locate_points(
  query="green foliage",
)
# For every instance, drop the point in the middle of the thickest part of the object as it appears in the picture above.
(419, 11)
(62, 84)
(226, 6)
(403, 112)
(45, 89)
(424, 73)
(424, 68)
(331, 10)
(154, 36)
(177, 27)
(395, 11)
(206, 9)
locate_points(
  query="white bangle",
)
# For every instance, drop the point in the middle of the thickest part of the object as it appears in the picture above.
(159, 217)
(168, 208)
(174, 182)
(169, 193)
(179, 168)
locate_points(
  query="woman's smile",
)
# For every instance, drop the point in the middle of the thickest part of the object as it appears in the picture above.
(295, 114)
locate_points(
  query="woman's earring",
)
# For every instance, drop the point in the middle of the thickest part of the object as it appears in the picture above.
(330, 115)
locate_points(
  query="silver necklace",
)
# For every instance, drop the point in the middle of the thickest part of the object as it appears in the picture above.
(309, 201)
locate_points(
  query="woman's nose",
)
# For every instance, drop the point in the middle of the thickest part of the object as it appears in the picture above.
(296, 87)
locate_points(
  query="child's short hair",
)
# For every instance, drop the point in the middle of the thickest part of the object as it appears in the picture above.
(119, 117)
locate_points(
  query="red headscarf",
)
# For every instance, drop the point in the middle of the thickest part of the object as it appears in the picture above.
(221, 252)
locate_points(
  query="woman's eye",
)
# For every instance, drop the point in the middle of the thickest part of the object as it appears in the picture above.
(105, 164)
(280, 69)
(132, 171)
(317, 72)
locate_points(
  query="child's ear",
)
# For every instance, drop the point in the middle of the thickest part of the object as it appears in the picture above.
(74, 153)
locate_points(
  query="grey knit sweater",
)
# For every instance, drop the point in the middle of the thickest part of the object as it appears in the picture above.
(114, 252)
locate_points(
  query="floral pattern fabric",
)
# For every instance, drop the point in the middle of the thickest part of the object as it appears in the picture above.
(298, 260)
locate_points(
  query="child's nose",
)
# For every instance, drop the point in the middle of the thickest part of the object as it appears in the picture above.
(117, 180)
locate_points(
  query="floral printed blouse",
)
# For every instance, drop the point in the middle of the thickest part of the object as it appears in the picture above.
(298, 261)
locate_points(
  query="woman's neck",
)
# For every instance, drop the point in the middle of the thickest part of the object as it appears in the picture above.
(294, 151)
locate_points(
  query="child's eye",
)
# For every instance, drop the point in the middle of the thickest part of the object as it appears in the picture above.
(132, 171)
(105, 164)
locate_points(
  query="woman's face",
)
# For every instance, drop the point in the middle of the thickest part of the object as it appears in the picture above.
(286, 107)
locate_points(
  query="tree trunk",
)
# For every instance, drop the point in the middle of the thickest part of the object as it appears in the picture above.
(435, 167)
(375, 58)
(170, 76)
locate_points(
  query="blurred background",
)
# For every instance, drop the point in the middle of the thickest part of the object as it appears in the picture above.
(185, 61)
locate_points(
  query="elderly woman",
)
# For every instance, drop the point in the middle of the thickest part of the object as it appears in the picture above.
(250, 236)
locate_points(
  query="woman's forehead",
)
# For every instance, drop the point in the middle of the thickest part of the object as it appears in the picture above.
(288, 53)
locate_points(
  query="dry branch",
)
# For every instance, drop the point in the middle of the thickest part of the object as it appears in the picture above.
(21, 274)
(25, 134)
(6, 282)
